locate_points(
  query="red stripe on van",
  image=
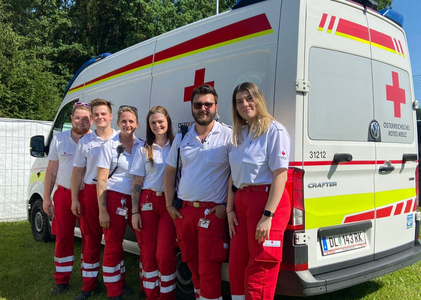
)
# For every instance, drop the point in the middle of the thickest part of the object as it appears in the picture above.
(240, 29)
(415, 205)
(384, 212)
(332, 22)
(398, 209)
(381, 39)
(246, 27)
(408, 206)
(369, 215)
(322, 22)
(353, 29)
(400, 45)
(329, 162)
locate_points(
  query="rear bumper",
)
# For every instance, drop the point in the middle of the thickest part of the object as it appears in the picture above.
(303, 283)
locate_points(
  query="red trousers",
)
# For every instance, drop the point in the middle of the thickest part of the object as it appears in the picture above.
(91, 237)
(203, 249)
(113, 269)
(254, 267)
(64, 222)
(157, 242)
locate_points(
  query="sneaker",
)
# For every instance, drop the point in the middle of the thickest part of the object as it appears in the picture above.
(120, 297)
(127, 290)
(83, 295)
(60, 288)
(142, 295)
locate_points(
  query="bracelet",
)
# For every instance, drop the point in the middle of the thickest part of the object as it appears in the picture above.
(135, 213)
(230, 211)
(170, 205)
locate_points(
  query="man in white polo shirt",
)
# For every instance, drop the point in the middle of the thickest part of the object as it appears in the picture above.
(85, 203)
(201, 221)
(60, 164)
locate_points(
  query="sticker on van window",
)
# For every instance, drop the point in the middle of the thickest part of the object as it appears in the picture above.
(409, 221)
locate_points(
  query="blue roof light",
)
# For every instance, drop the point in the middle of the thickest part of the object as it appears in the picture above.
(392, 15)
(242, 3)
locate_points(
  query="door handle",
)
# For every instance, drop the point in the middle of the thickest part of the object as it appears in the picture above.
(386, 169)
(342, 157)
(409, 157)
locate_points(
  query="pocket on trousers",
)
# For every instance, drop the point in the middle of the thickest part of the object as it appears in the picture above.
(270, 250)
(218, 248)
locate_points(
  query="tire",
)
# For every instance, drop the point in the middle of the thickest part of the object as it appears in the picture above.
(40, 224)
(185, 288)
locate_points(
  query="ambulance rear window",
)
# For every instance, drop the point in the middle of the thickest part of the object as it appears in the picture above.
(340, 100)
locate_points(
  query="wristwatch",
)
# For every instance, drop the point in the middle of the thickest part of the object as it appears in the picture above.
(268, 213)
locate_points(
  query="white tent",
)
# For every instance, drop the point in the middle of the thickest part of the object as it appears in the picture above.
(15, 165)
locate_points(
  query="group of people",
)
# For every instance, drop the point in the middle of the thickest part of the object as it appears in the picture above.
(230, 182)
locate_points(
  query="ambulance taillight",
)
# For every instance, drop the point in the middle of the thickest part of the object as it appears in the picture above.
(295, 188)
(417, 187)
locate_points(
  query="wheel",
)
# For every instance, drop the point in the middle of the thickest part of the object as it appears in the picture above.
(185, 288)
(39, 223)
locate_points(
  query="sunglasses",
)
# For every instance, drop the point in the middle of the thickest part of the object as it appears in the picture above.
(81, 104)
(128, 106)
(198, 105)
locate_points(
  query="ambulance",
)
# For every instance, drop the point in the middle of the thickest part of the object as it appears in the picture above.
(337, 75)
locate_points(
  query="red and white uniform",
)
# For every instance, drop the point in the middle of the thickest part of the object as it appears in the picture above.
(87, 155)
(119, 188)
(203, 185)
(157, 239)
(254, 267)
(62, 149)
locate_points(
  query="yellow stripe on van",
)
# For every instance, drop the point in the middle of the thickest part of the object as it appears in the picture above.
(35, 178)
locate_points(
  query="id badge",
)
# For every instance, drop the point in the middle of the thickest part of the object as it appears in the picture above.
(147, 206)
(122, 211)
(204, 223)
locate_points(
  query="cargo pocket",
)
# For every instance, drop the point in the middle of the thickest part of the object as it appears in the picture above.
(217, 251)
(270, 250)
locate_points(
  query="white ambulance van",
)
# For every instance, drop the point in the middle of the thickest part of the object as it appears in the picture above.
(337, 74)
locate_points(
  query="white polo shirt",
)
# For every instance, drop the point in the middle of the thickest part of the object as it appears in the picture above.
(121, 181)
(153, 176)
(87, 154)
(204, 167)
(62, 149)
(253, 160)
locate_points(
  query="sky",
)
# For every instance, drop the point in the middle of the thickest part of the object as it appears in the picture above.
(411, 11)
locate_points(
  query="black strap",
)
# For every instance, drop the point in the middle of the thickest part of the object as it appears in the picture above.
(183, 129)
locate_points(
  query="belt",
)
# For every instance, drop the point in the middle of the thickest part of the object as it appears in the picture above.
(199, 204)
(256, 188)
(149, 192)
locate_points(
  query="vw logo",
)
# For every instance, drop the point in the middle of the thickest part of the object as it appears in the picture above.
(375, 130)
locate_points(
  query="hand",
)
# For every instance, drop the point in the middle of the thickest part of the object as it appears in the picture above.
(263, 229)
(76, 208)
(219, 211)
(104, 220)
(136, 221)
(47, 206)
(174, 213)
(232, 222)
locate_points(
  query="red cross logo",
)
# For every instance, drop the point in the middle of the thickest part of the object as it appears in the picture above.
(283, 153)
(395, 94)
(199, 79)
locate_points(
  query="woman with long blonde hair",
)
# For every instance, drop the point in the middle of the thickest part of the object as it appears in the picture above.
(258, 205)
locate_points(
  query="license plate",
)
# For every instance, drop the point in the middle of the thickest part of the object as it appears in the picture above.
(344, 242)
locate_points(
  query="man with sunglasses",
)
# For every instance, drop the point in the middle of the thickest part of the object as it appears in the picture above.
(84, 196)
(60, 164)
(201, 221)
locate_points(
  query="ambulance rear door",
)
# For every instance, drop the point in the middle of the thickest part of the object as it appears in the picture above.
(338, 153)
(396, 147)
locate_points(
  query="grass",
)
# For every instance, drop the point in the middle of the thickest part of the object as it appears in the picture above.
(27, 268)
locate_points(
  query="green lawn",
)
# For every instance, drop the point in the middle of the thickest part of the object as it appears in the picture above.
(27, 268)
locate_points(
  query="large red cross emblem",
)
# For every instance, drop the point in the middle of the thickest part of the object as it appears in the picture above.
(199, 79)
(395, 94)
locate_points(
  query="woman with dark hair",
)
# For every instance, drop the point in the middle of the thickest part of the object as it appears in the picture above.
(114, 197)
(154, 227)
(258, 205)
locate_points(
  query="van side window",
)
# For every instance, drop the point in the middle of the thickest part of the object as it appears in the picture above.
(63, 121)
(341, 96)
